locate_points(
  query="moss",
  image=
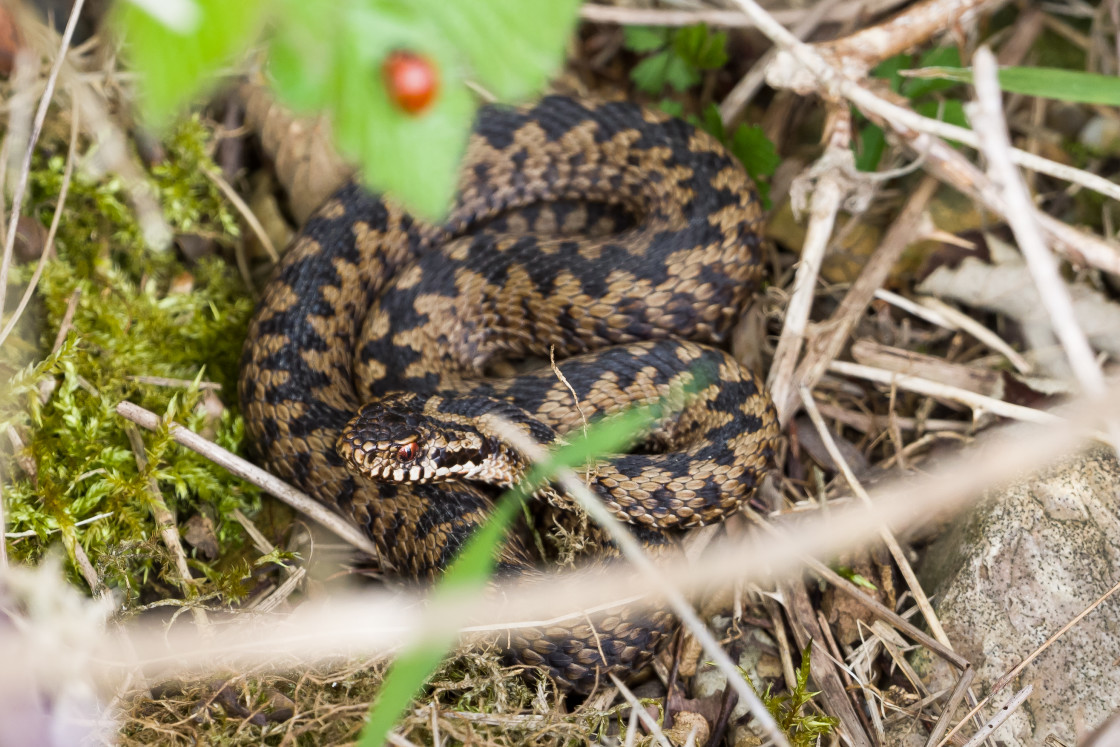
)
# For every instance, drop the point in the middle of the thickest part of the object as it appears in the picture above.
(139, 313)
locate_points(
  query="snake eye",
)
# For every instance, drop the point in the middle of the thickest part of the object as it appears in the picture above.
(408, 452)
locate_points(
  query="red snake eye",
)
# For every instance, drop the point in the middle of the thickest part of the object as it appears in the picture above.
(408, 452)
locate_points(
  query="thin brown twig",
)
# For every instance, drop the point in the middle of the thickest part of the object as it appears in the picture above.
(246, 212)
(36, 128)
(48, 245)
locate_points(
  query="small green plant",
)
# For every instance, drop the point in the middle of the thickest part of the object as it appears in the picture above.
(677, 57)
(801, 727)
(923, 93)
(856, 578)
(748, 143)
(336, 56)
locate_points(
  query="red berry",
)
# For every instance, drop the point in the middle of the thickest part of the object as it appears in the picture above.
(411, 80)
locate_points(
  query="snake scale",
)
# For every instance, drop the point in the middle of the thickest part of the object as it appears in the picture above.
(623, 240)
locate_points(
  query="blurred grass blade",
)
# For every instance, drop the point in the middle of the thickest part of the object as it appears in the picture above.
(472, 568)
(1046, 82)
(470, 571)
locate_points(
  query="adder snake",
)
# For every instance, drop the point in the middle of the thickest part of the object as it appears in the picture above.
(624, 240)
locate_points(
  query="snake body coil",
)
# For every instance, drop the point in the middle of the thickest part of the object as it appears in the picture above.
(606, 232)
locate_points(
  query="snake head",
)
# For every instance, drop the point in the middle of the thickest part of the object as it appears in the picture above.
(412, 438)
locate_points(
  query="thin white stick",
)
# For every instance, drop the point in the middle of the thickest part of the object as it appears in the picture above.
(996, 721)
(633, 553)
(724, 18)
(636, 707)
(251, 473)
(987, 116)
(827, 197)
(937, 389)
(375, 621)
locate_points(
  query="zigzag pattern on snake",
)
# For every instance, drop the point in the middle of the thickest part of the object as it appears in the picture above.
(623, 240)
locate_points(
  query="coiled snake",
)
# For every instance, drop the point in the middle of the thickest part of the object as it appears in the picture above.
(620, 238)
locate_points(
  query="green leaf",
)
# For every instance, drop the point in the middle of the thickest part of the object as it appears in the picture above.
(700, 49)
(871, 143)
(751, 146)
(176, 56)
(413, 158)
(511, 46)
(671, 107)
(644, 38)
(679, 74)
(1051, 83)
(888, 70)
(650, 75)
(711, 122)
(758, 155)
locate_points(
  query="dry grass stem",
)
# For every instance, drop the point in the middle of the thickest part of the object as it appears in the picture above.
(828, 195)
(178, 383)
(48, 245)
(253, 474)
(25, 162)
(987, 116)
(962, 688)
(1004, 713)
(633, 553)
(245, 211)
(67, 320)
(888, 538)
(627, 16)
(168, 528)
(977, 402)
(636, 707)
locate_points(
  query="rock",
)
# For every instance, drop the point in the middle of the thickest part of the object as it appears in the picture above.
(1018, 567)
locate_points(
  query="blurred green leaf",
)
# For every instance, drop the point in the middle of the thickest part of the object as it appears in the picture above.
(644, 38)
(510, 46)
(1052, 83)
(329, 56)
(870, 144)
(177, 53)
(699, 48)
(751, 146)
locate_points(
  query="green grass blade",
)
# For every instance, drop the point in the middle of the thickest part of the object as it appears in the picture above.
(1046, 82)
(469, 571)
(472, 568)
